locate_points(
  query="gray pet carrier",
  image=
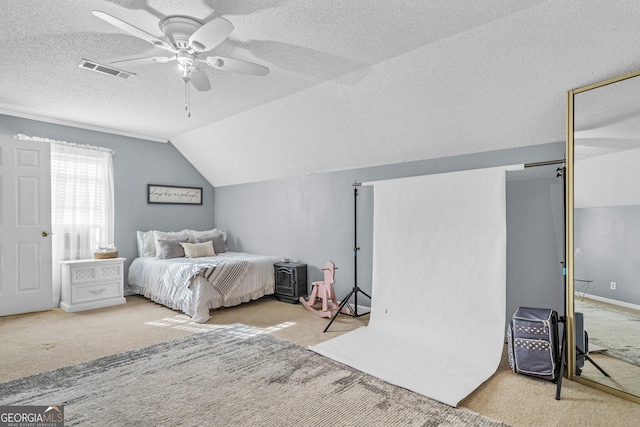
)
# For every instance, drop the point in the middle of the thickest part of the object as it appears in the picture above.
(532, 341)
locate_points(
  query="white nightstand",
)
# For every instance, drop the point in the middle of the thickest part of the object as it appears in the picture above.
(92, 283)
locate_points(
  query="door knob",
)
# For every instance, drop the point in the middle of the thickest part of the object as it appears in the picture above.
(45, 234)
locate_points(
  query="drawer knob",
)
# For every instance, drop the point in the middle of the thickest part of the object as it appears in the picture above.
(45, 234)
(97, 291)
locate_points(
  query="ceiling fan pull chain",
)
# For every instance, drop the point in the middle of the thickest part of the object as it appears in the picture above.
(187, 95)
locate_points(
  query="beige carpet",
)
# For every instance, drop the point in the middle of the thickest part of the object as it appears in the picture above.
(39, 342)
(234, 375)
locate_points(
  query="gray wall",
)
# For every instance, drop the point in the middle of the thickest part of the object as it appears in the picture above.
(311, 219)
(609, 251)
(136, 163)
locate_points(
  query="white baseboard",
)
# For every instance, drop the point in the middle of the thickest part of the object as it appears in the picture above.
(609, 301)
(361, 308)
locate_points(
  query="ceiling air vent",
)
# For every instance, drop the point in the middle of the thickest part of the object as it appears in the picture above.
(104, 69)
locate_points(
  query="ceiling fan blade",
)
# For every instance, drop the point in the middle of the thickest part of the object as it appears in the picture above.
(150, 60)
(210, 35)
(237, 66)
(133, 30)
(200, 80)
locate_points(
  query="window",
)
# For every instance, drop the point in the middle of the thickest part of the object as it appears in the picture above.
(81, 201)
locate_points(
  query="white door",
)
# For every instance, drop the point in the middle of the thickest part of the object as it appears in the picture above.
(25, 225)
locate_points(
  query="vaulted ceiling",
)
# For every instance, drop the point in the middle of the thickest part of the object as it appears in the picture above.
(351, 84)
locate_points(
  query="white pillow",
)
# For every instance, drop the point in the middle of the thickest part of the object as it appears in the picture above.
(140, 241)
(218, 236)
(168, 235)
(146, 244)
(203, 235)
(195, 250)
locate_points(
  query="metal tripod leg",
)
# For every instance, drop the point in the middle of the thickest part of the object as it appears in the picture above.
(563, 357)
(586, 356)
(345, 301)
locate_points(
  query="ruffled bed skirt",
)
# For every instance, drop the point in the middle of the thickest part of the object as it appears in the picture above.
(167, 282)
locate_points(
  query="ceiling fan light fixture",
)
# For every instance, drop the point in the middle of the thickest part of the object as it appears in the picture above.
(185, 61)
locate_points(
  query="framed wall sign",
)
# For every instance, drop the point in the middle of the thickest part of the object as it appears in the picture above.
(170, 194)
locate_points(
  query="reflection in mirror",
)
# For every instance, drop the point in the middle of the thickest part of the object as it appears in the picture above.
(606, 233)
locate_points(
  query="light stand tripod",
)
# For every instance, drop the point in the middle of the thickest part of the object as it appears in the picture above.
(355, 290)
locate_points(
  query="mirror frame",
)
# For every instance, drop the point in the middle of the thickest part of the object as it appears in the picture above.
(569, 206)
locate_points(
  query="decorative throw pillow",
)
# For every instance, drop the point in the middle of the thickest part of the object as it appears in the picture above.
(195, 250)
(169, 235)
(202, 236)
(216, 236)
(146, 244)
(170, 249)
(218, 244)
(140, 242)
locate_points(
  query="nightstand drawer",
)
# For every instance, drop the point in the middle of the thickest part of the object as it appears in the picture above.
(95, 292)
(91, 274)
(91, 283)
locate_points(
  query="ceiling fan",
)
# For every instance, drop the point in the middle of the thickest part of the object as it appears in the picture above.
(188, 39)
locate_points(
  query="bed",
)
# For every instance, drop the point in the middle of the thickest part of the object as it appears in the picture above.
(193, 272)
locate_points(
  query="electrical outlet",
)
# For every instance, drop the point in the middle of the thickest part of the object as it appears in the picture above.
(613, 286)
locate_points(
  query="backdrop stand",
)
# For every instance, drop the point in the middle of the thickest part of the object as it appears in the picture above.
(353, 310)
(561, 172)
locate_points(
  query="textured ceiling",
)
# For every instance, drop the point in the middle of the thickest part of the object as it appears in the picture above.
(352, 84)
(607, 120)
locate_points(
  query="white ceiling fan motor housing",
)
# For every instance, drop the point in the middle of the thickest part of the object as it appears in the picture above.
(178, 29)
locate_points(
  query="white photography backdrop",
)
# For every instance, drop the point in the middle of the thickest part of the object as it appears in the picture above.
(438, 292)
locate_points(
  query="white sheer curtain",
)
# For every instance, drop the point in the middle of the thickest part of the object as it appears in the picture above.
(81, 202)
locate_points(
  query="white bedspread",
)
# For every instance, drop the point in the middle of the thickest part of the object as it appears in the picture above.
(178, 283)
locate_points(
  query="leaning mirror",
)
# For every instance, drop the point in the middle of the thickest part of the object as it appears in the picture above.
(603, 236)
